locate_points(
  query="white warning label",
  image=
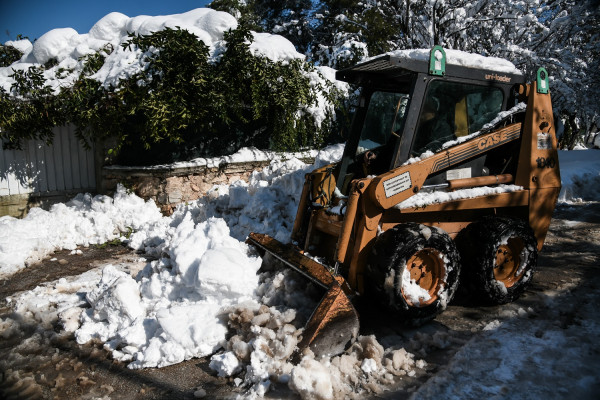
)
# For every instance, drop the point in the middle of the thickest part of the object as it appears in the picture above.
(397, 184)
(460, 173)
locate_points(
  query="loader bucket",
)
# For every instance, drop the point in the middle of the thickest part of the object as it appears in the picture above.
(334, 322)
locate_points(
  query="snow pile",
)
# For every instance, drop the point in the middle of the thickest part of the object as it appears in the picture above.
(365, 367)
(80, 222)
(580, 175)
(184, 304)
(171, 312)
(57, 300)
(265, 339)
(179, 305)
(202, 293)
(66, 45)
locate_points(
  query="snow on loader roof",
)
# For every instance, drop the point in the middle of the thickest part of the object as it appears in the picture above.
(457, 63)
(461, 58)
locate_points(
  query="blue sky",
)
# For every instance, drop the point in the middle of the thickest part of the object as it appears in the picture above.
(33, 18)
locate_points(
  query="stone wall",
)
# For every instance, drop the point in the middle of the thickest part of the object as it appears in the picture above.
(170, 186)
(18, 205)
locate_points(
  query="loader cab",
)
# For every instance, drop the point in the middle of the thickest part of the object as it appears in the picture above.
(407, 109)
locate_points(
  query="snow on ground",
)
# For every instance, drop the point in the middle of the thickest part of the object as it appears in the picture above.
(522, 358)
(80, 222)
(203, 280)
(202, 294)
(580, 175)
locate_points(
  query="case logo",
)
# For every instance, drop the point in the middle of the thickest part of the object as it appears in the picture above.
(492, 140)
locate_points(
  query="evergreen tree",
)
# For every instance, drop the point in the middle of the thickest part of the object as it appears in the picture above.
(348, 31)
(561, 35)
(569, 46)
(288, 18)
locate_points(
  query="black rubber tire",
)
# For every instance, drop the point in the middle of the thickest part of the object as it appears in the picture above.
(388, 262)
(480, 245)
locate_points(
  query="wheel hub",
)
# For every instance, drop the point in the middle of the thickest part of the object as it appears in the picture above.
(426, 268)
(508, 262)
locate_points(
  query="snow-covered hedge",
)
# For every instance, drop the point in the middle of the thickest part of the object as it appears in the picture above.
(187, 84)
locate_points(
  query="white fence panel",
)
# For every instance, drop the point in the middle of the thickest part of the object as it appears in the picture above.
(38, 169)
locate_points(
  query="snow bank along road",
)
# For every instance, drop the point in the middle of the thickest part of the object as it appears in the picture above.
(226, 331)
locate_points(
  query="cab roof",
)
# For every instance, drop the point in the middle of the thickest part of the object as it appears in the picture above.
(459, 64)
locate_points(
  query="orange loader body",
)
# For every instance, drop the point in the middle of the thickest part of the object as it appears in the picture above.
(410, 255)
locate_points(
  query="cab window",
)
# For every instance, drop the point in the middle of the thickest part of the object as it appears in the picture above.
(384, 119)
(452, 110)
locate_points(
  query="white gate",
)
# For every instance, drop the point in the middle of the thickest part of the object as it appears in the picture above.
(43, 170)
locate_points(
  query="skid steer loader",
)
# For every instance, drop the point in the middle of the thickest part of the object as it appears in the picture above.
(450, 171)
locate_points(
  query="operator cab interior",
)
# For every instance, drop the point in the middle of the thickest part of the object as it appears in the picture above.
(382, 127)
(377, 129)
